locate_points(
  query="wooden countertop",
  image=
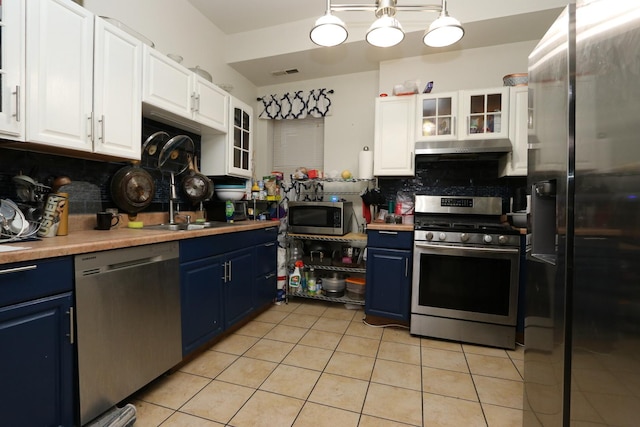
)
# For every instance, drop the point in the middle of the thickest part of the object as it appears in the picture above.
(389, 227)
(90, 240)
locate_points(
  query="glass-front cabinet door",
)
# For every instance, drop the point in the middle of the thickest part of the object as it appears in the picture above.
(240, 146)
(485, 114)
(437, 116)
(12, 63)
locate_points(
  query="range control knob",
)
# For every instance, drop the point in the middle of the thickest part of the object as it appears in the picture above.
(487, 238)
(502, 240)
(442, 236)
(429, 236)
(464, 237)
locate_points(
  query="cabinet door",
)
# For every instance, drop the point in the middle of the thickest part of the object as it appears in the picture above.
(166, 84)
(59, 74)
(201, 301)
(265, 258)
(515, 162)
(117, 92)
(36, 363)
(388, 290)
(394, 138)
(238, 284)
(240, 139)
(12, 35)
(437, 117)
(211, 105)
(485, 114)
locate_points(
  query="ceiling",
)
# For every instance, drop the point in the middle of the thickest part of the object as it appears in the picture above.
(255, 20)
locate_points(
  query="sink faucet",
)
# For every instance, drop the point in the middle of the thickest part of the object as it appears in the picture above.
(173, 198)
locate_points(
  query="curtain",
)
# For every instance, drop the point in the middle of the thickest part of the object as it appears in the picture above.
(296, 105)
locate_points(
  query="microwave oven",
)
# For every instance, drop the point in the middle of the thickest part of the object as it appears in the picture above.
(330, 218)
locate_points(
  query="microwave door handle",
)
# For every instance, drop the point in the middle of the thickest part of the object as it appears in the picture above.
(468, 248)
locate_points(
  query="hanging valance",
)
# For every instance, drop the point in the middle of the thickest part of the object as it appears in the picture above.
(296, 105)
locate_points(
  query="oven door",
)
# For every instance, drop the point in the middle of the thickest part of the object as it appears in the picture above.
(468, 283)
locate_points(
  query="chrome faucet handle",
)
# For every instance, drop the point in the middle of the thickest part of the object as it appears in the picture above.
(187, 217)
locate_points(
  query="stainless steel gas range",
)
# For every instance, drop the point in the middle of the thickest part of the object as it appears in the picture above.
(465, 271)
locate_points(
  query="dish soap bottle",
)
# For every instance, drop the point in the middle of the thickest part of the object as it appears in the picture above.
(295, 277)
(228, 211)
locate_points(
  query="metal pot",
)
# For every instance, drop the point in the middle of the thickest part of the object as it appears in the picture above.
(196, 186)
(132, 189)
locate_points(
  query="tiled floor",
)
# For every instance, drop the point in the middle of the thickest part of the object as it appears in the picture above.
(312, 363)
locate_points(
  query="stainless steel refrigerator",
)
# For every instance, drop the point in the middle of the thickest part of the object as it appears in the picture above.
(582, 320)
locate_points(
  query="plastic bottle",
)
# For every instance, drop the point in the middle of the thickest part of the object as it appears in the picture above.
(228, 211)
(311, 282)
(295, 278)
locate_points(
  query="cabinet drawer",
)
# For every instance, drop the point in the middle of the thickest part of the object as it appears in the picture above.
(266, 258)
(269, 234)
(390, 239)
(29, 280)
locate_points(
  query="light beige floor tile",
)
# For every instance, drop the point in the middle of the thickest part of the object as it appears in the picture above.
(444, 359)
(150, 415)
(517, 354)
(185, 420)
(341, 313)
(271, 316)
(328, 324)
(400, 335)
(443, 411)
(448, 383)
(173, 390)
(308, 357)
(255, 329)
(498, 391)
(322, 339)
(487, 351)
(209, 364)
(291, 334)
(491, 366)
(369, 421)
(314, 415)
(397, 374)
(273, 351)
(247, 372)
(398, 352)
(267, 410)
(394, 403)
(351, 365)
(218, 401)
(339, 392)
(359, 345)
(440, 344)
(235, 344)
(499, 416)
(519, 364)
(288, 307)
(360, 329)
(291, 381)
(299, 320)
(312, 308)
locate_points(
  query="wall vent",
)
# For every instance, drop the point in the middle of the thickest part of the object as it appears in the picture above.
(284, 72)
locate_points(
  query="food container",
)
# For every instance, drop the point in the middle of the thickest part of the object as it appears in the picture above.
(355, 288)
(333, 284)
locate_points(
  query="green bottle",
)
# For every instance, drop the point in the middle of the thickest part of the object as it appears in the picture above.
(228, 210)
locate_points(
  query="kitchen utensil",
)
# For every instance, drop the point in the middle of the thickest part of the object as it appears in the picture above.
(175, 57)
(132, 188)
(12, 220)
(59, 182)
(152, 147)
(202, 73)
(128, 30)
(53, 210)
(175, 154)
(25, 188)
(195, 185)
(229, 193)
(105, 220)
(516, 79)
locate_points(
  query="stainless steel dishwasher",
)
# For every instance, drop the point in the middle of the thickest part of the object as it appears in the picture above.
(127, 322)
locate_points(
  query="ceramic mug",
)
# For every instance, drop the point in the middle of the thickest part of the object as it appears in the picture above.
(105, 220)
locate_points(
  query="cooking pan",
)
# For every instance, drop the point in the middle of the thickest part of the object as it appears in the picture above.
(196, 186)
(132, 188)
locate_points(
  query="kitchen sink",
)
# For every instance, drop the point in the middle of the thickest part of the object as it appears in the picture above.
(184, 226)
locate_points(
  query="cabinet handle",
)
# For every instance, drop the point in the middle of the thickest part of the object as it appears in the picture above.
(230, 270)
(17, 94)
(269, 229)
(268, 245)
(270, 275)
(90, 132)
(388, 232)
(453, 125)
(101, 121)
(18, 269)
(406, 267)
(198, 103)
(193, 102)
(71, 329)
(224, 273)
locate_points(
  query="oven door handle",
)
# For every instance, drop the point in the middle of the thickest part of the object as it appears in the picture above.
(469, 248)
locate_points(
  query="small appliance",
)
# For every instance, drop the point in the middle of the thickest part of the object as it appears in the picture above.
(330, 218)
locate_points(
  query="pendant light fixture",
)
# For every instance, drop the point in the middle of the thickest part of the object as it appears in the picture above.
(386, 31)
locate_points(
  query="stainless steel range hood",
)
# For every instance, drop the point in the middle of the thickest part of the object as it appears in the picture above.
(497, 146)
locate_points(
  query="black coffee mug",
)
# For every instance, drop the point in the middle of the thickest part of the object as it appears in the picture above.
(105, 220)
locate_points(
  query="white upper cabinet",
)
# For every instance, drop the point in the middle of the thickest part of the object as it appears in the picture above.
(394, 137)
(172, 92)
(515, 162)
(484, 114)
(230, 154)
(67, 107)
(437, 116)
(12, 74)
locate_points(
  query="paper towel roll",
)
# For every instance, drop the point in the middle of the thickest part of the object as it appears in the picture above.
(365, 164)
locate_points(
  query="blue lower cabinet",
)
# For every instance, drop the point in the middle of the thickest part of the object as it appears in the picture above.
(238, 286)
(266, 281)
(36, 363)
